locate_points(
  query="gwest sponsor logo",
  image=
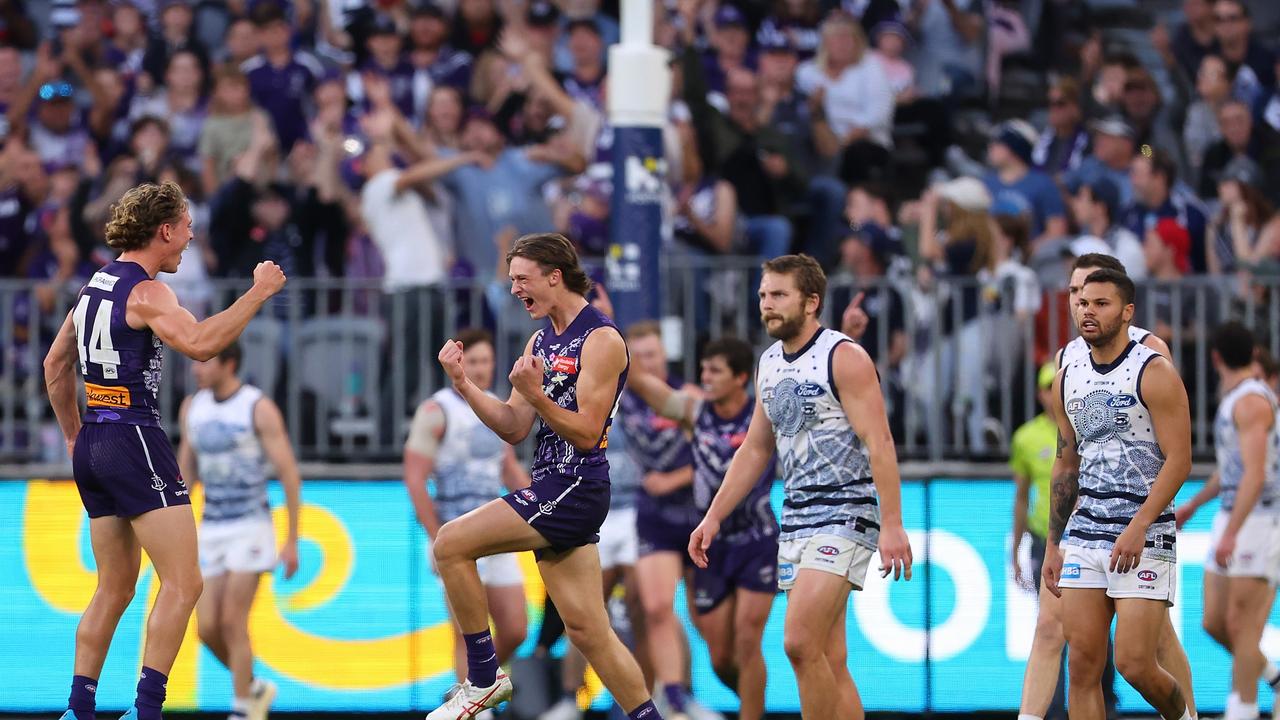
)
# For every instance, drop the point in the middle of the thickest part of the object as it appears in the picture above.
(1121, 402)
(1147, 575)
(103, 396)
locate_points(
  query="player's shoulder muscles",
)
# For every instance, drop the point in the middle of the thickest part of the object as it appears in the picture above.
(267, 417)
(852, 370)
(1254, 411)
(607, 350)
(149, 300)
(1154, 342)
(1160, 386)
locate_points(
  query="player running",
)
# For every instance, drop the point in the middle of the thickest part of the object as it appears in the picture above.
(470, 465)
(230, 431)
(734, 594)
(123, 464)
(569, 378)
(821, 407)
(1244, 551)
(1124, 450)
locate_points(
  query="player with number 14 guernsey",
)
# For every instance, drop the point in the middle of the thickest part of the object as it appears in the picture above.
(123, 463)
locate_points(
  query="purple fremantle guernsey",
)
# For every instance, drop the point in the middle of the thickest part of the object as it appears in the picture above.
(562, 363)
(715, 440)
(121, 366)
(658, 444)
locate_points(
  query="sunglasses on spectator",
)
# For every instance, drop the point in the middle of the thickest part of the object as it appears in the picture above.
(49, 91)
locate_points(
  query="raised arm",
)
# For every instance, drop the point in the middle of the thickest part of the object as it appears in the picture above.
(269, 424)
(511, 420)
(425, 433)
(668, 402)
(748, 464)
(858, 386)
(604, 357)
(152, 304)
(60, 382)
(1166, 399)
(1064, 490)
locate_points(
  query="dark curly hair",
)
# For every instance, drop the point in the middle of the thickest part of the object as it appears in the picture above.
(140, 213)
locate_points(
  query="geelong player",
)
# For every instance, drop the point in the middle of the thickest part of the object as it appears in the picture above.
(665, 515)
(1244, 552)
(1124, 450)
(1044, 664)
(820, 406)
(734, 593)
(124, 467)
(569, 378)
(471, 466)
(230, 431)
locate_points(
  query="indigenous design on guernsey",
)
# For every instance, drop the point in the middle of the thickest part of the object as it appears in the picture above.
(1230, 461)
(562, 361)
(825, 466)
(1119, 455)
(229, 455)
(468, 469)
(715, 440)
(1078, 348)
(121, 366)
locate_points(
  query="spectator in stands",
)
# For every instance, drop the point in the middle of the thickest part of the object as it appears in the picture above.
(444, 116)
(948, 59)
(239, 44)
(435, 61)
(737, 146)
(128, 45)
(1238, 141)
(107, 118)
(1213, 88)
(871, 203)
(181, 103)
(1013, 181)
(1008, 285)
(1168, 247)
(610, 31)
(56, 132)
(585, 79)
(387, 60)
(1251, 63)
(1106, 81)
(1154, 121)
(1246, 229)
(476, 26)
(280, 79)
(782, 106)
(850, 100)
(227, 131)
(795, 25)
(1194, 38)
(891, 40)
(1156, 195)
(1064, 144)
(10, 83)
(16, 28)
(729, 49)
(17, 203)
(176, 34)
(1111, 157)
(1097, 206)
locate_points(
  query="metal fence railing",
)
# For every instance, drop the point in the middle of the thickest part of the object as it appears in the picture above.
(348, 362)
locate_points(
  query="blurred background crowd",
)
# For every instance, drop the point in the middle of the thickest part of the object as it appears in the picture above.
(943, 159)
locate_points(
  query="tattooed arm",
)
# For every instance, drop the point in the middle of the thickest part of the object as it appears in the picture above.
(1064, 490)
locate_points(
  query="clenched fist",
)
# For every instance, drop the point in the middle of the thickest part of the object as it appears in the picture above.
(450, 358)
(269, 277)
(526, 376)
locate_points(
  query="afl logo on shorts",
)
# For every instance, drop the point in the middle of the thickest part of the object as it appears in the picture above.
(828, 550)
(1147, 575)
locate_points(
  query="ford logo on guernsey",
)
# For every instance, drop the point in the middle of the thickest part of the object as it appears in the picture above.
(1147, 575)
(1122, 401)
(828, 550)
(810, 390)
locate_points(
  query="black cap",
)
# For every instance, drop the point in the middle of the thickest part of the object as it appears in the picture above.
(542, 14)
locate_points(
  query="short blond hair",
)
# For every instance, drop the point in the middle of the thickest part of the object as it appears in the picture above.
(137, 216)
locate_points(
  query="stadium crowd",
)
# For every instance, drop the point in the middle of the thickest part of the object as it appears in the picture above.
(973, 145)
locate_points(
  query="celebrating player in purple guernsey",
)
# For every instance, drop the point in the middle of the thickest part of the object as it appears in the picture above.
(569, 379)
(124, 466)
(734, 593)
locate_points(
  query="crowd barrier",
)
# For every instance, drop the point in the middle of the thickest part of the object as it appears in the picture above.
(362, 626)
(348, 362)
